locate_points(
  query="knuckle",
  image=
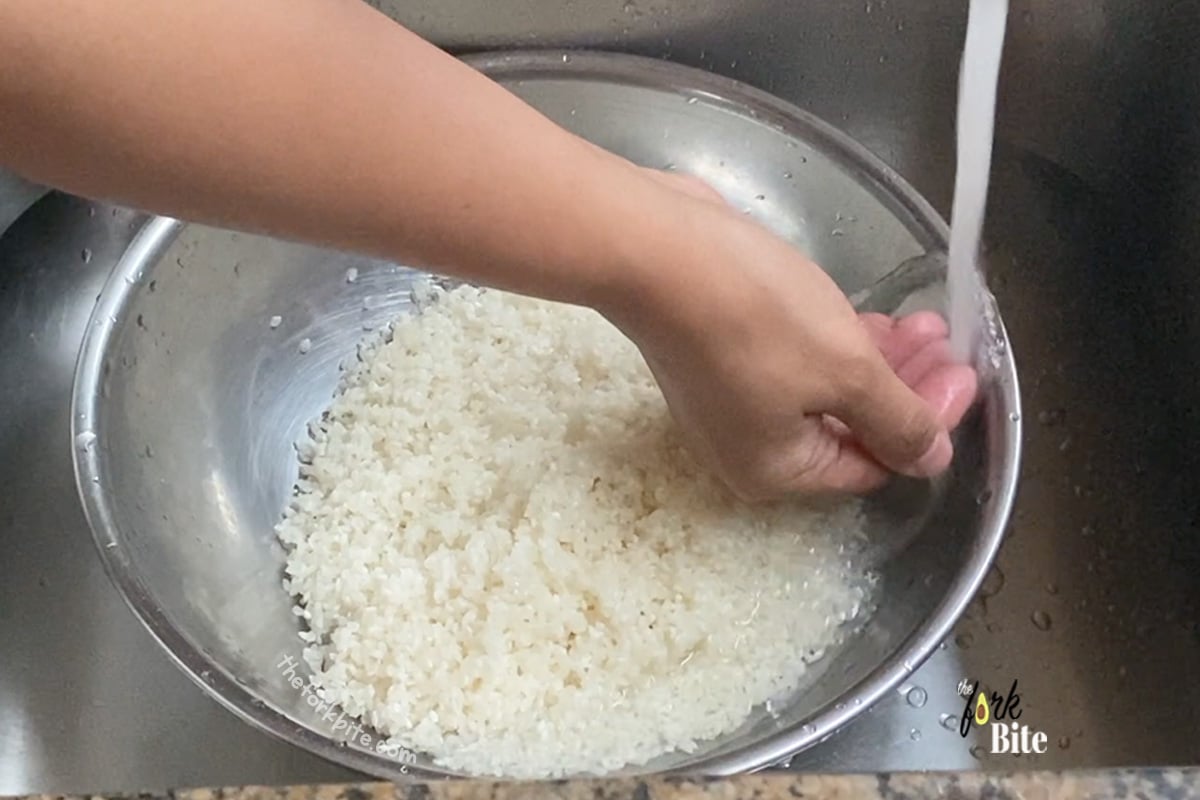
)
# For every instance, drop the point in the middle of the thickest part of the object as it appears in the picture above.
(917, 433)
(855, 378)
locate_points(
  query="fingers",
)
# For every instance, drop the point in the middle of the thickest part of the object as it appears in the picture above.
(827, 460)
(899, 340)
(950, 390)
(894, 424)
(849, 471)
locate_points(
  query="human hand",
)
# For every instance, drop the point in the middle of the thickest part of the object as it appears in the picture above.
(776, 382)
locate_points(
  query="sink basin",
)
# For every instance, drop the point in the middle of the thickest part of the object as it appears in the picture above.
(1092, 605)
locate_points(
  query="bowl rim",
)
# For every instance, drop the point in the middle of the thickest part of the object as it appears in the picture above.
(1001, 392)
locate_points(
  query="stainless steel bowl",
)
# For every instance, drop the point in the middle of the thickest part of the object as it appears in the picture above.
(188, 400)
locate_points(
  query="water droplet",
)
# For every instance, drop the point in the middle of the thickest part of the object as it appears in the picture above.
(808, 730)
(976, 752)
(983, 497)
(1087, 531)
(91, 211)
(760, 197)
(275, 322)
(1064, 742)
(917, 697)
(948, 721)
(1015, 417)
(351, 275)
(691, 101)
(86, 255)
(1051, 417)
(964, 640)
(1051, 588)
(84, 440)
(149, 451)
(566, 59)
(837, 232)
(305, 345)
(915, 735)
(993, 582)
(1041, 620)
(787, 176)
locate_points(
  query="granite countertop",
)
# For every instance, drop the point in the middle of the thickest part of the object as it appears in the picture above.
(1144, 784)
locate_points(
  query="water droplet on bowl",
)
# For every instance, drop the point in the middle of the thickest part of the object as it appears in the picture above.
(352, 275)
(275, 322)
(86, 256)
(964, 640)
(917, 697)
(1064, 742)
(1014, 417)
(84, 440)
(948, 721)
(305, 345)
(1041, 620)
(915, 735)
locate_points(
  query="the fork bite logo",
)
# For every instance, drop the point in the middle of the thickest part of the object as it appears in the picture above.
(999, 713)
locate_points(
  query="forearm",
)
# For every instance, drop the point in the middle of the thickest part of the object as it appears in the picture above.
(318, 120)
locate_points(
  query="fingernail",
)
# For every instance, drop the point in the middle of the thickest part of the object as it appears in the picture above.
(936, 459)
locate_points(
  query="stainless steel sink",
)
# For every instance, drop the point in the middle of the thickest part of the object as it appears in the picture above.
(1093, 606)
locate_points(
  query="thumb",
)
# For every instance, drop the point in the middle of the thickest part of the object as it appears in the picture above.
(894, 424)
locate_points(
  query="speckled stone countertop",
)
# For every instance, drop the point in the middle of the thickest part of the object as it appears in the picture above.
(1144, 784)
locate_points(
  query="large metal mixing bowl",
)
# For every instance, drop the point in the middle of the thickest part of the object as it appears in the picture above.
(210, 351)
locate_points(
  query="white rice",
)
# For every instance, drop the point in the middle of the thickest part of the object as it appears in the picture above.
(508, 561)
